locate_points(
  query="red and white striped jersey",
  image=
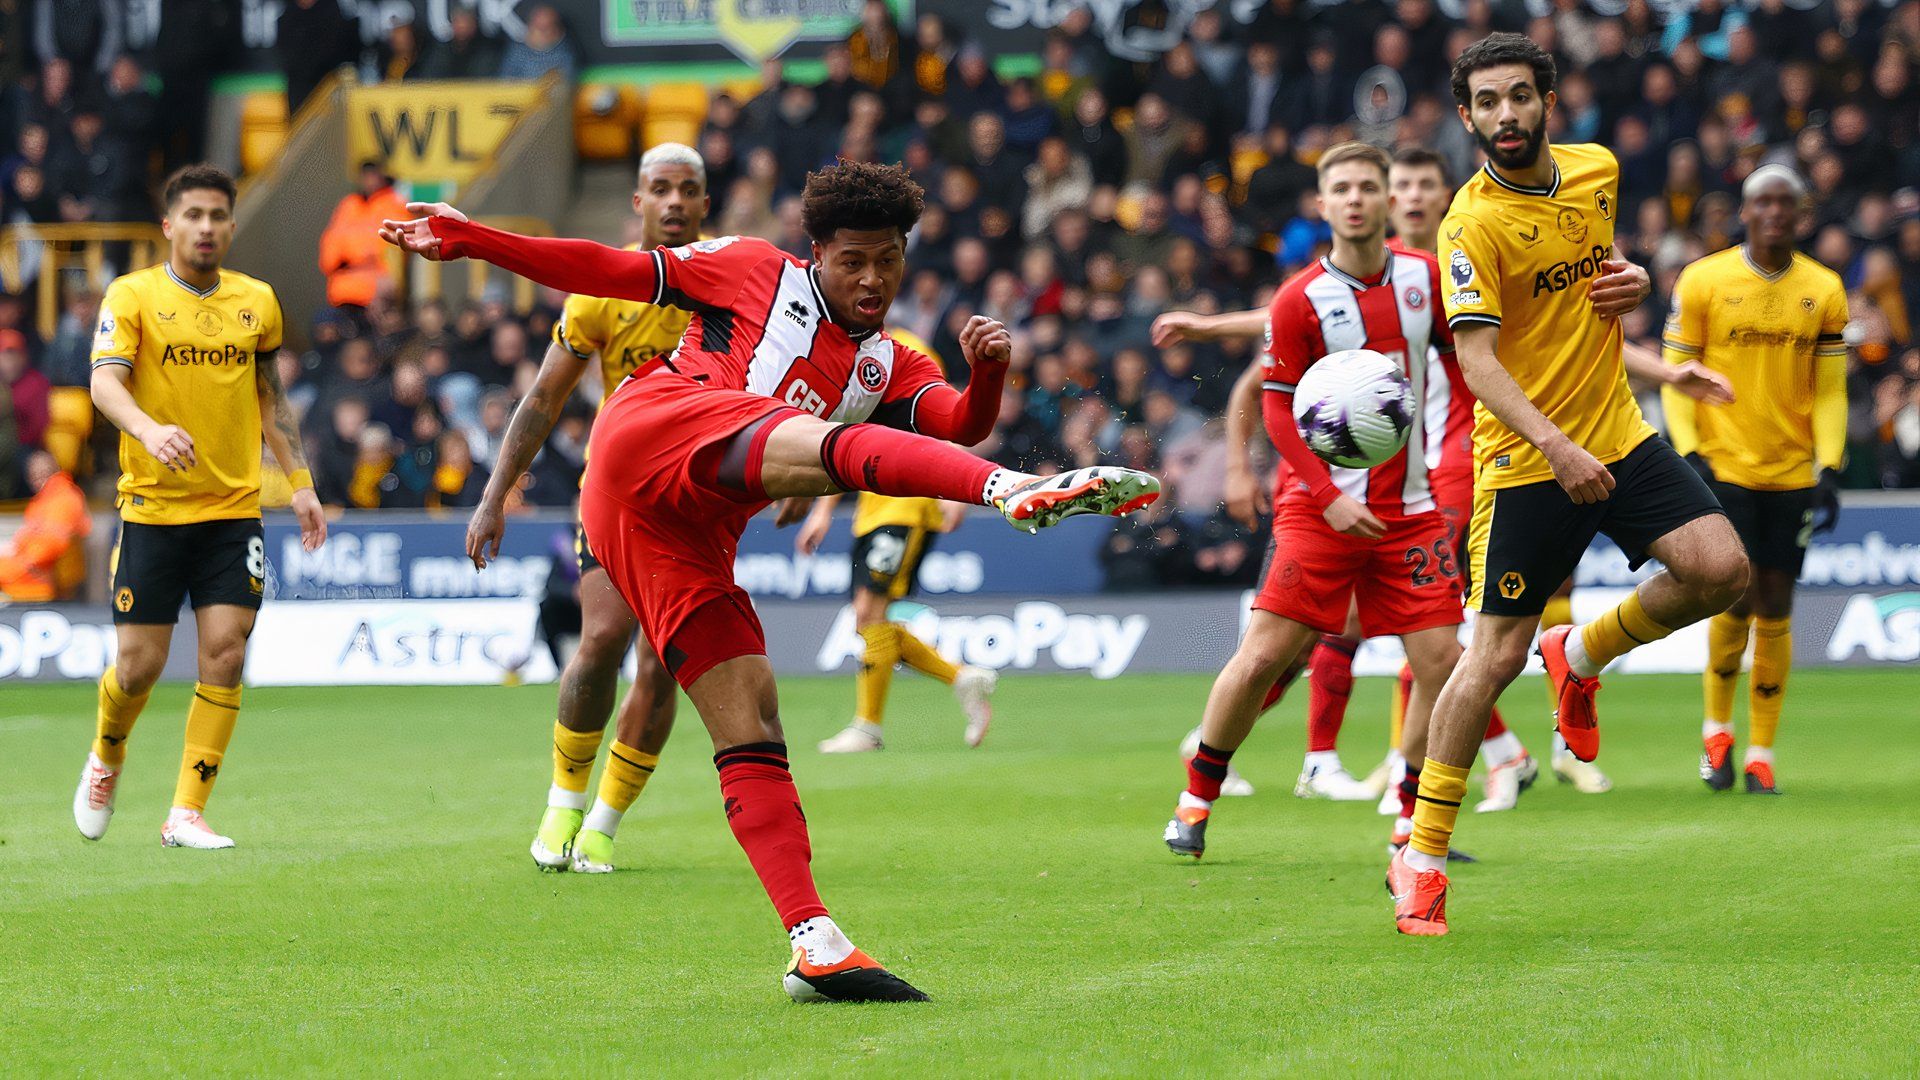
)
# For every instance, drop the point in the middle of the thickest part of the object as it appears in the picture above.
(1449, 423)
(761, 325)
(1321, 310)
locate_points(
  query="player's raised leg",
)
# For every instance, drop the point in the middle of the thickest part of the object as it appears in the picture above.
(223, 630)
(1272, 643)
(140, 655)
(1706, 571)
(644, 722)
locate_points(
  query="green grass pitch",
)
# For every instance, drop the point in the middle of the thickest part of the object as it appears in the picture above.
(381, 915)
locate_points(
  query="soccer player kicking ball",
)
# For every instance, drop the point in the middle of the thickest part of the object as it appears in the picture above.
(1561, 450)
(764, 399)
(183, 366)
(1771, 321)
(627, 335)
(890, 538)
(1341, 533)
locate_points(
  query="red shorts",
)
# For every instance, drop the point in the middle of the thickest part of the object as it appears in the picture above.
(662, 524)
(1453, 497)
(1408, 580)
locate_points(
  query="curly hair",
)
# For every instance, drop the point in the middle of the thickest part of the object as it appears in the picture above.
(860, 195)
(197, 177)
(1497, 49)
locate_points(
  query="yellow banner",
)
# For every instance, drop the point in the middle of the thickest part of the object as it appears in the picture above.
(434, 132)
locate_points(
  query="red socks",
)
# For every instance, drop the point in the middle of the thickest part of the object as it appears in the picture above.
(1205, 772)
(868, 457)
(1328, 688)
(1409, 791)
(1496, 727)
(1279, 688)
(763, 810)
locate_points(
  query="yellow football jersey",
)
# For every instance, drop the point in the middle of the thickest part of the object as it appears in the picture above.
(873, 511)
(626, 334)
(1522, 259)
(193, 357)
(1774, 336)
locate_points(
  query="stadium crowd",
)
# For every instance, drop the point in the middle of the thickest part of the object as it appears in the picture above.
(1075, 205)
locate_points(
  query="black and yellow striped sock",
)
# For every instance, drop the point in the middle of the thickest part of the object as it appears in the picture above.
(1726, 647)
(118, 711)
(1772, 660)
(1442, 787)
(573, 754)
(626, 775)
(875, 677)
(924, 658)
(210, 721)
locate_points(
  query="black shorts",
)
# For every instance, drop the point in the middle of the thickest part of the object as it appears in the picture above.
(887, 560)
(582, 554)
(156, 567)
(1525, 541)
(1776, 526)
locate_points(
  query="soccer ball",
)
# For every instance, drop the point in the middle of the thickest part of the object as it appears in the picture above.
(1354, 408)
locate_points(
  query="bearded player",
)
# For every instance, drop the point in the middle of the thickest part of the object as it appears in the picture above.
(1771, 320)
(1561, 451)
(183, 366)
(671, 202)
(1342, 537)
(764, 399)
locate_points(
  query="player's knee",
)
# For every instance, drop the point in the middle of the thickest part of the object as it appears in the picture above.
(222, 659)
(1723, 578)
(602, 647)
(1500, 664)
(137, 670)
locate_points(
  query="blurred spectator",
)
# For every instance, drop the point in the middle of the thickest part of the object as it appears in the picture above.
(1092, 136)
(67, 360)
(351, 254)
(399, 54)
(545, 48)
(55, 521)
(457, 481)
(874, 47)
(87, 34)
(27, 388)
(314, 36)
(466, 54)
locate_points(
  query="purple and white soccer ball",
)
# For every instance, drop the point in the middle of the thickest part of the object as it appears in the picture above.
(1354, 408)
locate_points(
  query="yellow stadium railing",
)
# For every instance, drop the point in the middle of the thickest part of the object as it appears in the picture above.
(63, 247)
(425, 277)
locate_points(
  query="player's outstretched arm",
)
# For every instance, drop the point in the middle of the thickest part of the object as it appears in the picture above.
(1244, 497)
(169, 444)
(527, 431)
(282, 433)
(1579, 473)
(1175, 327)
(967, 417)
(1681, 373)
(819, 523)
(574, 266)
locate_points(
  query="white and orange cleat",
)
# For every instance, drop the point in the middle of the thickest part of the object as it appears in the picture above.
(1574, 711)
(187, 829)
(974, 687)
(1419, 898)
(93, 799)
(1035, 504)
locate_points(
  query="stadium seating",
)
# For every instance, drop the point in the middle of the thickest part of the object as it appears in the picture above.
(263, 129)
(69, 426)
(674, 113)
(605, 120)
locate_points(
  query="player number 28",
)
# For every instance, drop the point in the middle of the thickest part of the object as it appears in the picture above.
(1438, 556)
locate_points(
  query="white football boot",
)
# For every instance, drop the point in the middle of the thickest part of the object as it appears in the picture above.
(187, 829)
(974, 687)
(1504, 783)
(1331, 782)
(858, 737)
(93, 799)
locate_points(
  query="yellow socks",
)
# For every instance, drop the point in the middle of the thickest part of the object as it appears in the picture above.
(118, 711)
(627, 772)
(209, 727)
(875, 677)
(1772, 658)
(922, 657)
(1558, 612)
(1726, 647)
(573, 754)
(1613, 635)
(1442, 786)
(1397, 713)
